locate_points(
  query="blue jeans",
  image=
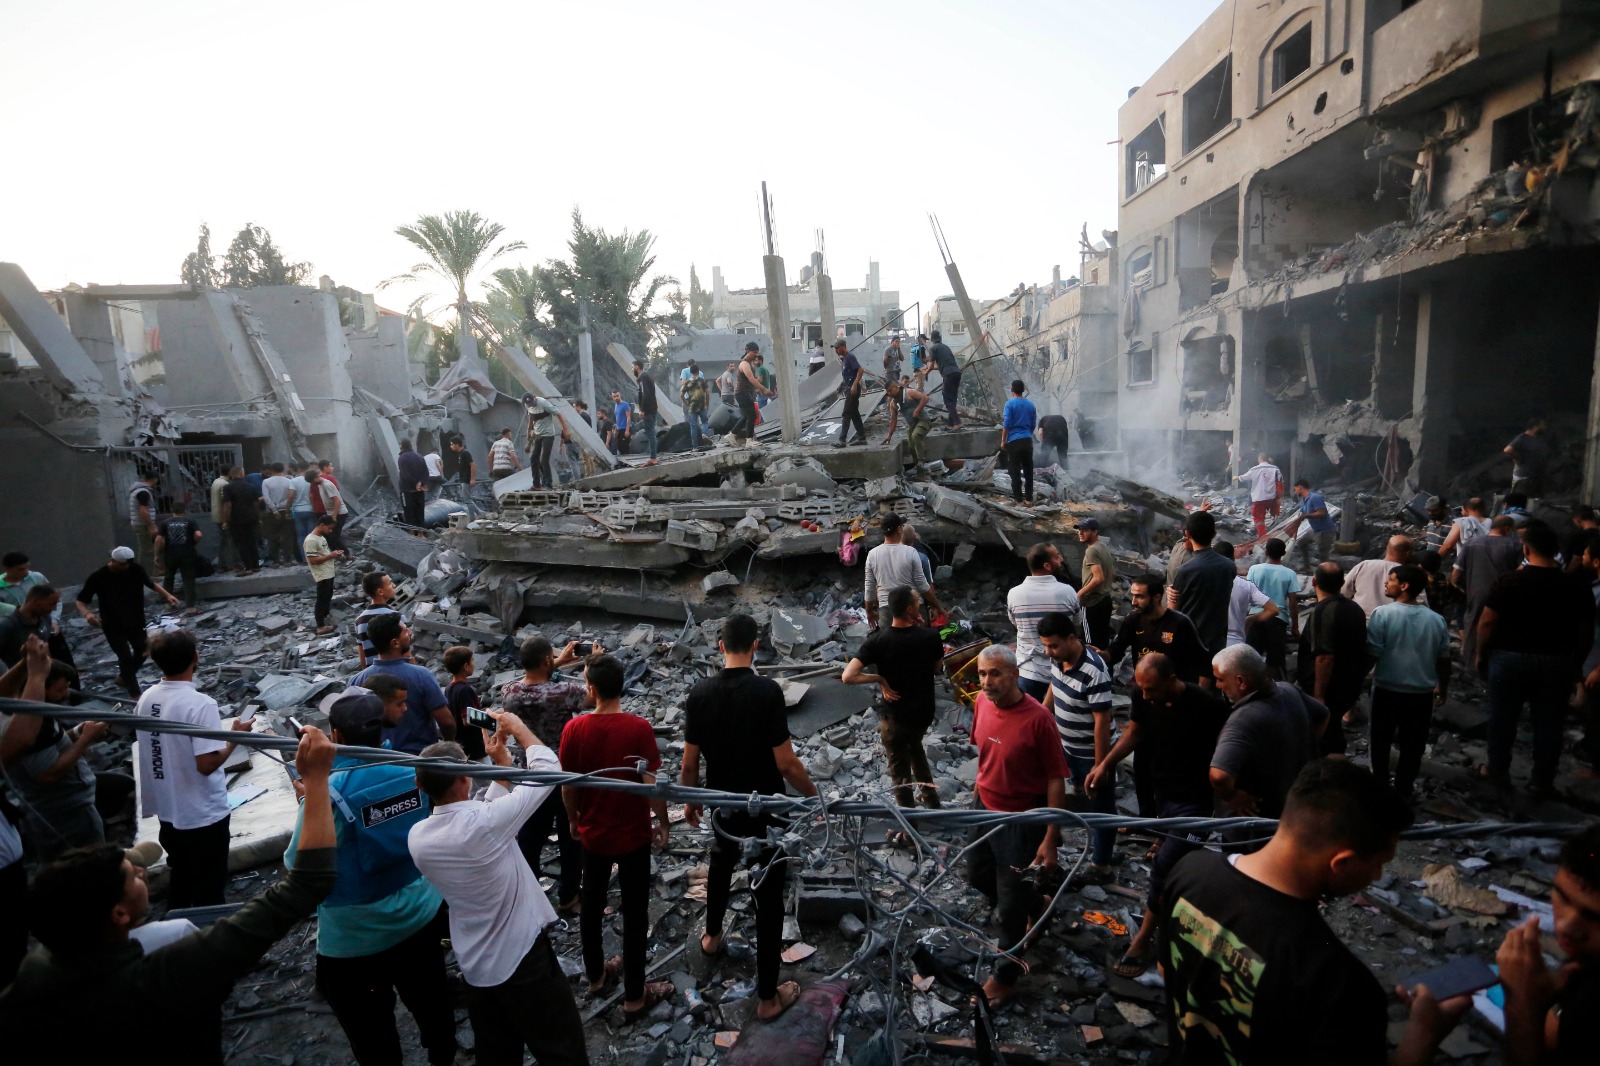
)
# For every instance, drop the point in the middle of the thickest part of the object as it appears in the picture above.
(647, 426)
(1543, 682)
(699, 427)
(304, 523)
(1037, 689)
(1105, 802)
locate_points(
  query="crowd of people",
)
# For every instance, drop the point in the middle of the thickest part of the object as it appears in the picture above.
(395, 860)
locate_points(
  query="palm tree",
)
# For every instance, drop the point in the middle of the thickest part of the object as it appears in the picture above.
(458, 245)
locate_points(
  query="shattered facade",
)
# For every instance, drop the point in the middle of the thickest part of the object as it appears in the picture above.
(1356, 249)
(857, 312)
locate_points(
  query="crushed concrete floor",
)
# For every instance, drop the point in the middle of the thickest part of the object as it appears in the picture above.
(1435, 901)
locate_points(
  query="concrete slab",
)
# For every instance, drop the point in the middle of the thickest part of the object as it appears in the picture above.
(862, 463)
(265, 583)
(46, 336)
(396, 550)
(623, 554)
(963, 443)
(692, 465)
(528, 374)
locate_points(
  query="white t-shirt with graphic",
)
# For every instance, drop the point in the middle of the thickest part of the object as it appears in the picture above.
(170, 785)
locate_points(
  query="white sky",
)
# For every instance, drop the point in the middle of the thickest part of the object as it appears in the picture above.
(126, 125)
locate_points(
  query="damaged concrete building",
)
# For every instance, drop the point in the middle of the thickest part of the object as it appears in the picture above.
(102, 383)
(1360, 235)
(813, 316)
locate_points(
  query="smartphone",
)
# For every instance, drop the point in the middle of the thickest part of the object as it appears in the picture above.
(248, 714)
(482, 719)
(583, 649)
(1455, 978)
(299, 726)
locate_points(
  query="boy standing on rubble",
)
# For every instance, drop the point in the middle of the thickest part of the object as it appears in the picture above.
(324, 564)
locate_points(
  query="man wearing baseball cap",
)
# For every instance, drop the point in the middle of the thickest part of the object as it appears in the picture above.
(378, 932)
(120, 586)
(851, 375)
(1099, 577)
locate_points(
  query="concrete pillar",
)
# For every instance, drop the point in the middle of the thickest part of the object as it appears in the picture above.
(825, 309)
(90, 321)
(585, 359)
(783, 361)
(1591, 452)
(1432, 395)
(980, 361)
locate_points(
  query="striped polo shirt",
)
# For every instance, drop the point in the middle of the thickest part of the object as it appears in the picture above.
(1077, 695)
(1037, 596)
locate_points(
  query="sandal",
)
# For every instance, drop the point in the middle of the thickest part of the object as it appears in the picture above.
(1131, 966)
(654, 993)
(788, 995)
(608, 974)
(716, 953)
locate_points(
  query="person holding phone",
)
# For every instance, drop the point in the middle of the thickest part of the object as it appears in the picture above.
(1254, 975)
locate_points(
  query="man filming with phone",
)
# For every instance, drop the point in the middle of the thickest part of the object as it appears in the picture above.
(517, 994)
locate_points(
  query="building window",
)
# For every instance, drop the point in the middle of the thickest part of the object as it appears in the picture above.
(746, 328)
(854, 329)
(958, 325)
(797, 331)
(1292, 58)
(1141, 270)
(1147, 156)
(1208, 107)
(1141, 365)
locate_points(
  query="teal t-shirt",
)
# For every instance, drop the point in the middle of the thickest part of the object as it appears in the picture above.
(1277, 582)
(1408, 640)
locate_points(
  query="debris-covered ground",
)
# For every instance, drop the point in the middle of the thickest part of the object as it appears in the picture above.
(1437, 900)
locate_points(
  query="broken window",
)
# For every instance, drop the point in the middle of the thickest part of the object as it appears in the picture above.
(1208, 107)
(797, 331)
(1292, 58)
(1141, 270)
(1207, 249)
(1141, 365)
(1147, 156)
(854, 329)
(1207, 372)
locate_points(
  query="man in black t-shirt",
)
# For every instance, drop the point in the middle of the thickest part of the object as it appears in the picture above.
(738, 721)
(906, 655)
(1180, 722)
(120, 585)
(1203, 586)
(1333, 659)
(178, 541)
(241, 518)
(1154, 627)
(1254, 976)
(1534, 632)
(1555, 1018)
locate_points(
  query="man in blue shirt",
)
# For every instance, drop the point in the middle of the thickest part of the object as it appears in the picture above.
(1314, 512)
(850, 378)
(1019, 419)
(1410, 644)
(620, 423)
(427, 716)
(378, 933)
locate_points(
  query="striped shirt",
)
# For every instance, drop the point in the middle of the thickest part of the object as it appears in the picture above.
(502, 455)
(1030, 601)
(1077, 695)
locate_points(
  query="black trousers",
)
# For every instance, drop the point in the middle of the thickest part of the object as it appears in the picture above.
(361, 991)
(1099, 616)
(1271, 639)
(324, 601)
(413, 502)
(852, 416)
(539, 460)
(746, 426)
(336, 538)
(198, 859)
(532, 1009)
(952, 391)
(13, 919)
(995, 868)
(130, 649)
(247, 542)
(60, 650)
(1409, 714)
(767, 886)
(531, 838)
(633, 878)
(1019, 460)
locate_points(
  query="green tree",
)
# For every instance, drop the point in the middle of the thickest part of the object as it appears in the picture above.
(699, 302)
(458, 244)
(199, 270)
(253, 260)
(611, 275)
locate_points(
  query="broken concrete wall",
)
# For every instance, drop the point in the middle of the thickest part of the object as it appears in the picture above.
(378, 360)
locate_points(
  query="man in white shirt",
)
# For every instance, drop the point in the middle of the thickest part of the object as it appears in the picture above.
(503, 461)
(435, 463)
(517, 994)
(180, 779)
(1366, 580)
(892, 565)
(1038, 595)
(1266, 487)
(1247, 604)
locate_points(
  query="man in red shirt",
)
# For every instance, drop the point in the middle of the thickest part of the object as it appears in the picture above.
(614, 828)
(1021, 766)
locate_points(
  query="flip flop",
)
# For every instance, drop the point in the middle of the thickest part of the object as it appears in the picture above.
(608, 974)
(1131, 966)
(788, 995)
(654, 993)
